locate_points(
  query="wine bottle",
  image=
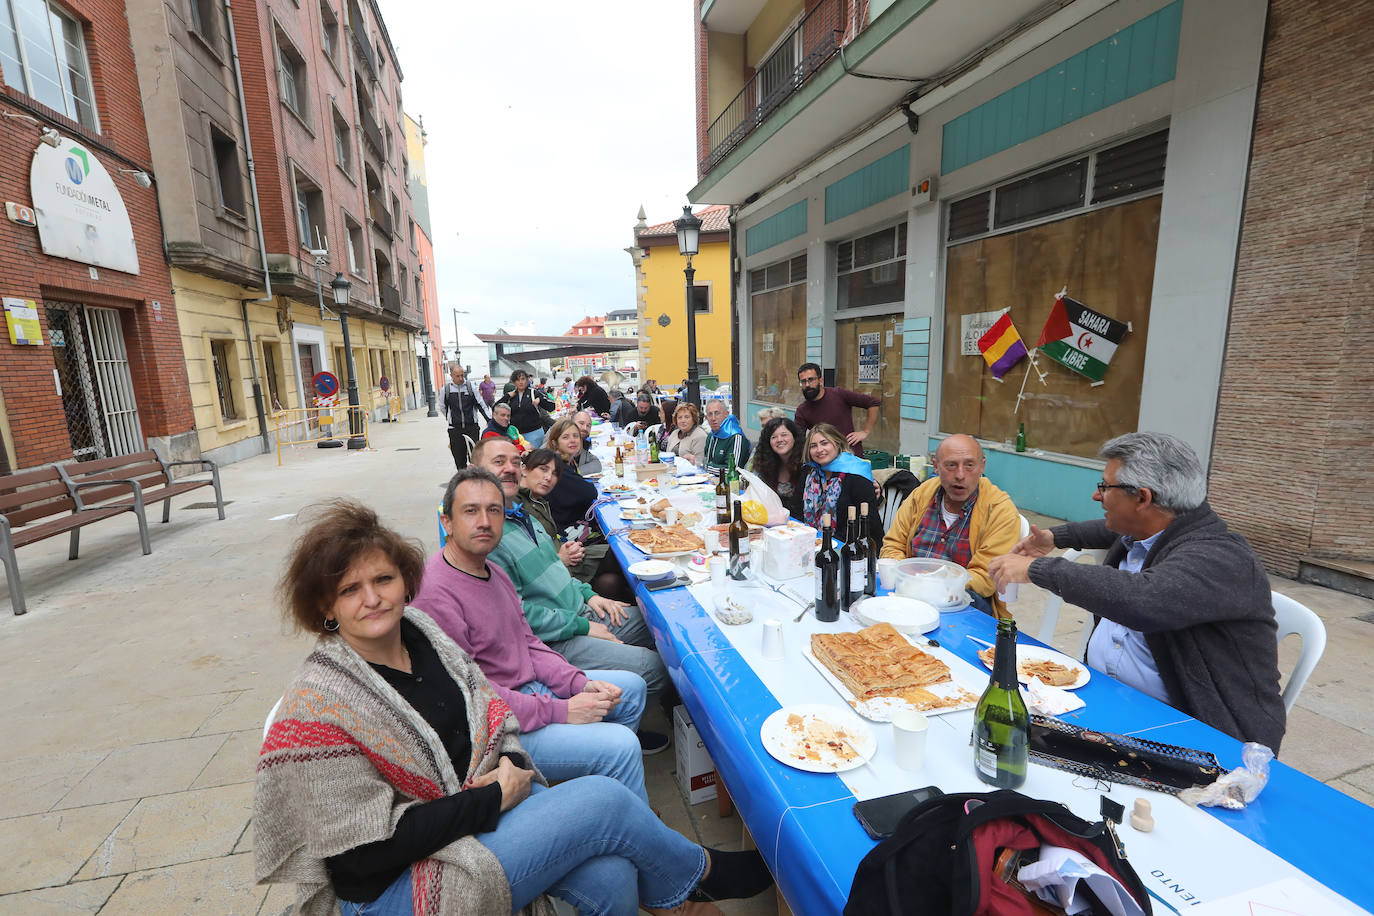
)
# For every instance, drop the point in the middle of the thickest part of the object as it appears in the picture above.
(871, 559)
(739, 545)
(722, 500)
(1021, 438)
(1001, 726)
(854, 553)
(733, 476)
(828, 600)
(619, 463)
(653, 449)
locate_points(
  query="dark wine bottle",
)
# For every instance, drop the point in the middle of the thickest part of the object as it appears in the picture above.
(722, 500)
(828, 599)
(854, 553)
(739, 545)
(871, 564)
(1001, 725)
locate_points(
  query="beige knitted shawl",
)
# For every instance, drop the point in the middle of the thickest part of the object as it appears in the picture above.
(345, 756)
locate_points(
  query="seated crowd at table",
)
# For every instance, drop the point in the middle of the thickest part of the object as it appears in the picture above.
(408, 766)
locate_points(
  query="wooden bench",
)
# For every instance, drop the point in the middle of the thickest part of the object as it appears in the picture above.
(41, 504)
(109, 480)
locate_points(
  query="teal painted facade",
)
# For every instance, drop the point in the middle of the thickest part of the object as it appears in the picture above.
(776, 229)
(1139, 57)
(815, 343)
(874, 183)
(751, 419)
(1043, 485)
(915, 367)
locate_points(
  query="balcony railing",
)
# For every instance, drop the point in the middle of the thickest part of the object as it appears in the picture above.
(391, 299)
(372, 132)
(831, 25)
(381, 218)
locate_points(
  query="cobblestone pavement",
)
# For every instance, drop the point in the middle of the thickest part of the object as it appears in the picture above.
(136, 689)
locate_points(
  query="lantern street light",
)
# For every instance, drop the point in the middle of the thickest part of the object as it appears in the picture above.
(340, 287)
(688, 233)
(423, 337)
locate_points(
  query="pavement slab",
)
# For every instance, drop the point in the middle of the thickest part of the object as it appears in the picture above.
(32, 785)
(67, 900)
(235, 761)
(145, 769)
(223, 886)
(44, 850)
(170, 829)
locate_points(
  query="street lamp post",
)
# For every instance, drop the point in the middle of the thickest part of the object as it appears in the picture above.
(688, 233)
(425, 370)
(340, 287)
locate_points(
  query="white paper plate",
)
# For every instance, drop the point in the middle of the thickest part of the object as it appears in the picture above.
(1026, 653)
(907, 615)
(691, 479)
(786, 744)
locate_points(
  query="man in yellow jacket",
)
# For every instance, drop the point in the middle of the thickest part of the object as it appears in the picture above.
(959, 516)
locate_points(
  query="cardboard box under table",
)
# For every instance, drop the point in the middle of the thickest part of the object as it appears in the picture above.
(696, 774)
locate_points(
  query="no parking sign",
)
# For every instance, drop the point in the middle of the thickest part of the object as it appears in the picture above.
(326, 383)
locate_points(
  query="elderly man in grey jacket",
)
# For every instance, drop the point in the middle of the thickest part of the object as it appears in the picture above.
(466, 411)
(1181, 605)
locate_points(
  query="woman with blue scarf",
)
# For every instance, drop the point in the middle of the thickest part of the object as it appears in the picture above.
(726, 443)
(836, 479)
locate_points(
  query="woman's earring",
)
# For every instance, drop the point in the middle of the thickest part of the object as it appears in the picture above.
(331, 624)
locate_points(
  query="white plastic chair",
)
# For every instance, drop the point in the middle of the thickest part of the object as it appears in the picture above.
(1053, 603)
(272, 714)
(1293, 617)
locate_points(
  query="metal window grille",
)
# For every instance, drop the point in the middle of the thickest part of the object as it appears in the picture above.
(114, 381)
(221, 354)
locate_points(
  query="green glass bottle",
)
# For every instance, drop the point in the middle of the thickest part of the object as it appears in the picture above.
(1001, 725)
(1021, 438)
(732, 476)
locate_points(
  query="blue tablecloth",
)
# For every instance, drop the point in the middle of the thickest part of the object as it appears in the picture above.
(803, 823)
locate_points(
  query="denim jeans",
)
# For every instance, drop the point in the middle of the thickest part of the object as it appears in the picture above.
(589, 842)
(608, 748)
(534, 437)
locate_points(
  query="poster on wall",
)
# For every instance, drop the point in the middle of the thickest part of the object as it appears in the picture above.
(1080, 339)
(870, 346)
(972, 327)
(81, 214)
(767, 342)
(21, 318)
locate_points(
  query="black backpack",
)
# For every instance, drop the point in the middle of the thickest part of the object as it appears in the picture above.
(938, 861)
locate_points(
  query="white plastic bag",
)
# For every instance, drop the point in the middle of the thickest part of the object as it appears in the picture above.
(1237, 788)
(757, 490)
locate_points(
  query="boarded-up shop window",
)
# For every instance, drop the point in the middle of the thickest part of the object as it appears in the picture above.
(1106, 258)
(860, 368)
(778, 316)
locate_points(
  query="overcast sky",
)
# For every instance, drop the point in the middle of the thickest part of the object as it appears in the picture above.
(549, 123)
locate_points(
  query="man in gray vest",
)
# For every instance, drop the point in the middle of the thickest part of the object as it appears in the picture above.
(466, 411)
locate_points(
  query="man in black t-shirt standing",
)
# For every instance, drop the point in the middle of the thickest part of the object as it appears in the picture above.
(466, 412)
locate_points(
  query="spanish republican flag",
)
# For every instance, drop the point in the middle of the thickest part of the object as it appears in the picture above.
(1001, 346)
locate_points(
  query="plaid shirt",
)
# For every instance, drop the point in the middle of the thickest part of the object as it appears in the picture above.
(932, 539)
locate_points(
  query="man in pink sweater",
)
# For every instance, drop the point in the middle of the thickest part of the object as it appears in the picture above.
(573, 723)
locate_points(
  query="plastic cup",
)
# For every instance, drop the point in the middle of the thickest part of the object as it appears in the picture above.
(909, 730)
(887, 573)
(670, 515)
(1009, 593)
(719, 567)
(772, 639)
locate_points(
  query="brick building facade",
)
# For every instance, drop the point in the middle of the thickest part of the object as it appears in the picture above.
(255, 243)
(1295, 421)
(112, 379)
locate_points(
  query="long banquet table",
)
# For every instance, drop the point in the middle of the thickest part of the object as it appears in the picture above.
(804, 825)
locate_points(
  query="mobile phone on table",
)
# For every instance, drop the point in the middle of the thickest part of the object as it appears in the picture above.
(667, 583)
(879, 816)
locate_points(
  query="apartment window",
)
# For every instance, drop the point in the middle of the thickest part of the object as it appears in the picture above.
(310, 213)
(410, 229)
(227, 171)
(225, 368)
(291, 67)
(395, 212)
(389, 140)
(419, 291)
(329, 31)
(405, 172)
(356, 245)
(404, 284)
(269, 372)
(701, 298)
(203, 20)
(53, 67)
(871, 269)
(343, 142)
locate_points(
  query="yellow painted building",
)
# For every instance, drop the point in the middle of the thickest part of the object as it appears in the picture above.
(661, 293)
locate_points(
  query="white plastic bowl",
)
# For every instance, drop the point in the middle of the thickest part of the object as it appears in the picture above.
(653, 570)
(907, 615)
(936, 582)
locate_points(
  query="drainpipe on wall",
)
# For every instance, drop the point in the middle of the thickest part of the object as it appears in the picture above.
(257, 223)
(735, 381)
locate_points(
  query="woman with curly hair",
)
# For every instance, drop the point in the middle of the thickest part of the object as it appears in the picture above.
(779, 461)
(392, 779)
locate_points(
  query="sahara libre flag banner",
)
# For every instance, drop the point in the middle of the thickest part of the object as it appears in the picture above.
(1080, 339)
(1001, 346)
